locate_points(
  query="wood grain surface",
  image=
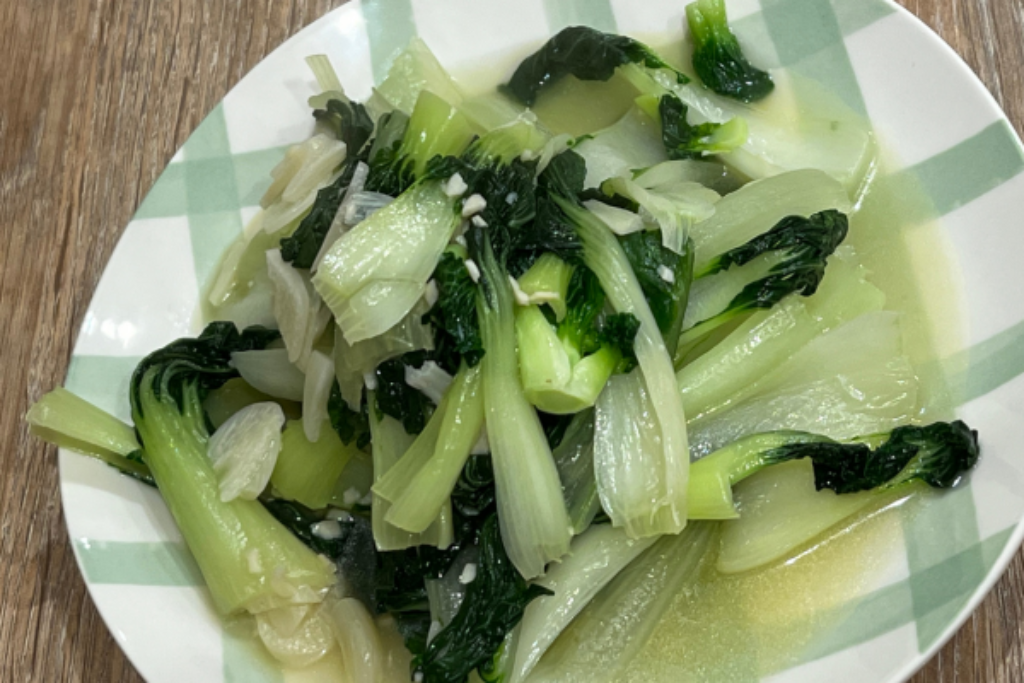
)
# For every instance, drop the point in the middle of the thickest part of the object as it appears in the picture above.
(95, 97)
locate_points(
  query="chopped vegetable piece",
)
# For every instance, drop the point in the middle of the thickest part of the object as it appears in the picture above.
(307, 471)
(717, 57)
(166, 394)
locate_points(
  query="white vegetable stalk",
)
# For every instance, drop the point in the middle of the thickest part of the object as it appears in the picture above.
(282, 218)
(296, 635)
(446, 594)
(706, 172)
(306, 168)
(390, 441)
(270, 371)
(784, 136)
(326, 76)
(619, 221)
(242, 292)
(851, 381)
(324, 156)
(869, 341)
(430, 378)
(782, 511)
(535, 526)
(338, 226)
(628, 461)
(675, 206)
(712, 294)
(244, 450)
(602, 640)
(364, 204)
(634, 141)
(318, 317)
(293, 304)
(376, 308)
(396, 659)
(868, 401)
(643, 491)
(424, 492)
(373, 276)
(391, 484)
(594, 559)
(757, 207)
(724, 375)
(316, 392)
(64, 419)
(552, 148)
(546, 283)
(356, 634)
(414, 70)
(294, 157)
(574, 458)
(493, 109)
(227, 271)
(353, 361)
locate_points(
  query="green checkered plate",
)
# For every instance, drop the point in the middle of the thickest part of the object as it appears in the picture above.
(950, 141)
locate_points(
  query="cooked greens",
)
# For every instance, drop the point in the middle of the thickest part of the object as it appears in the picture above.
(506, 377)
(494, 603)
(788, 259)
(717, 57)
(587, 54)
(166, 395)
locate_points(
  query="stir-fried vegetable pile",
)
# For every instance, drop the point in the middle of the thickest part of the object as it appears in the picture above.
(444, 425)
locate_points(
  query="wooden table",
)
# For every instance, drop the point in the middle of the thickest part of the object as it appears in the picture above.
(95, 97)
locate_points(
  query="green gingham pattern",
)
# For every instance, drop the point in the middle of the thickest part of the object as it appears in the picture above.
(213, 185)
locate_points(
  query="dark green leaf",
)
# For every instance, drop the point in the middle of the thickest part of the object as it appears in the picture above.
(587, 54)
(300, 249)
(619, 331)
(807, 242)
(453, 316)
(667, 300)
(584, 302)
(518, 245)
(555, 427)
(205, 360)
(398, 161)
(394, 581)
(508, 190)
(473, 495)
(717, 57)
(493, 606)
(401, 575)
(354, 550)
(564, 176)
(810, 239)
(349, 122)
(550, 232)
(409, 406)
(681, 140)
(349, 424)
(390, 173)
(937, 454)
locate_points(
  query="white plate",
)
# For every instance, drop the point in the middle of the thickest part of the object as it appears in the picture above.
(934, 113)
